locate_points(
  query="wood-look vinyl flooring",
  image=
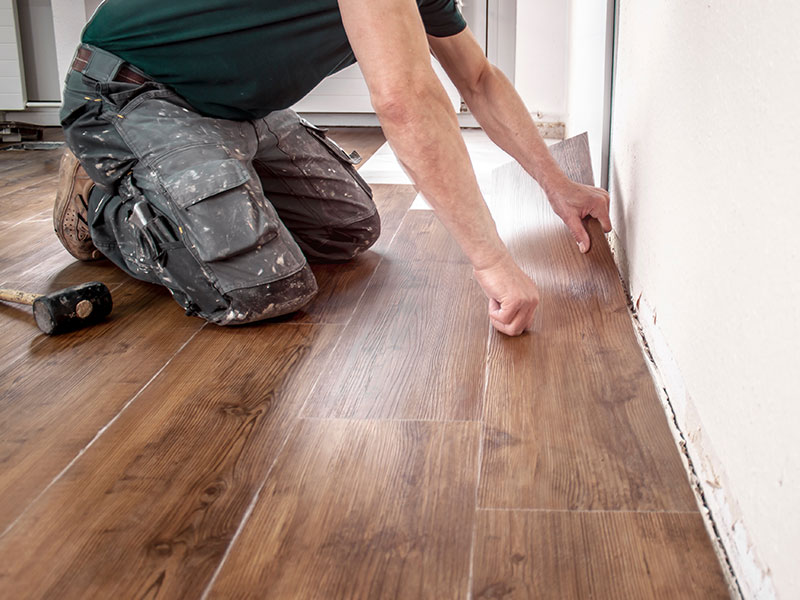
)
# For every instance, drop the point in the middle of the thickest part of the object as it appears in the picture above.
(383, 442)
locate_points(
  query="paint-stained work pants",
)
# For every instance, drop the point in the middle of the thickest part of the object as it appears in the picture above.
(223, 213)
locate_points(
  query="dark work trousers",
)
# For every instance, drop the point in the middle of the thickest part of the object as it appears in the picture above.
(223, 213)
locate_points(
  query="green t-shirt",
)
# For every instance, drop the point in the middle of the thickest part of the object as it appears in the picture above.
(239, 59)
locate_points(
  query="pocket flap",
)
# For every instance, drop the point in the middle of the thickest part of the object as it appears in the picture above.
(209, 179)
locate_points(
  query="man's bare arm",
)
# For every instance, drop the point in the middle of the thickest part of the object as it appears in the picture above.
(502, 114)
(389, 41)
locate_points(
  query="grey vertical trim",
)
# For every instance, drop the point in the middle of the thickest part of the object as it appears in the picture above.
(608, 94)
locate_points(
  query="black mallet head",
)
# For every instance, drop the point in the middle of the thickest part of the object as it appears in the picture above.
(72, 307)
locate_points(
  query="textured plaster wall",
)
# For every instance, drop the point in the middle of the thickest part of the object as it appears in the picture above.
(706, 207)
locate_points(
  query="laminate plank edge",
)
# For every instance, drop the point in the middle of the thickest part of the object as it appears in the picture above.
(416, 346)
(361, 509)
(576, 555)
(573, 420)
(69, 387)
(150, 509)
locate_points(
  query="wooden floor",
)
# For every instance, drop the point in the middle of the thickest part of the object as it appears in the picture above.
(382, 443)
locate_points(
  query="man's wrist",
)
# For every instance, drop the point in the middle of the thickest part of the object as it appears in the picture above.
(491, 259)
(553, 180)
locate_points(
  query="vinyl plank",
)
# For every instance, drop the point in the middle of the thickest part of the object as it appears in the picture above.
(423, 238)
(572, 417)
(28, 202)
(416, 346)
(361, 509)
(342, 284)
(150, 508)
(601, 555)
(571, 155)
(20, 170)
(32, 258)
(54, 402)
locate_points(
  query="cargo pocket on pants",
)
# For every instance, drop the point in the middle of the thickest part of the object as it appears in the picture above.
(218, 211)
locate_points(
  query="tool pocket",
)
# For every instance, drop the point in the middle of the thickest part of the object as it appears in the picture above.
(353, 158)
(348, 160)
(218, 210)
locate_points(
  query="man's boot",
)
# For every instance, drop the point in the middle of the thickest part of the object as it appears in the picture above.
(70, 209)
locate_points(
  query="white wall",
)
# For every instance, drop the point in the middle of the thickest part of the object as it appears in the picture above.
(541, 63)
(704, 163)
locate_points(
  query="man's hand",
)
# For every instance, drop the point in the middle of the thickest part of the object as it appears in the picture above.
(503, 115)
(513, 297)
(573, 202)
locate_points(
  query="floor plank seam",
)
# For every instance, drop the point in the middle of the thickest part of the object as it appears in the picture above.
(371, 277)
(53, 179)
(387, 419)
(355, 308)
(479, 467)
(251, 507)
(40, 215)
(260, 488)
(590, 510)
(99, 433)
(475, 516)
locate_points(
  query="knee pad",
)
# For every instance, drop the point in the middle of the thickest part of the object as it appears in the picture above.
(341, 243)
(274, 299)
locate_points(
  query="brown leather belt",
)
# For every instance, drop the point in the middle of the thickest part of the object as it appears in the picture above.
(125, 73)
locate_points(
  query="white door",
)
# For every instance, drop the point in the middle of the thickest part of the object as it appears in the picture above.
(12, 75)
(346, 92)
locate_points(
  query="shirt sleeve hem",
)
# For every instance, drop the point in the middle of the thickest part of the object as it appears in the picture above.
(445, 30)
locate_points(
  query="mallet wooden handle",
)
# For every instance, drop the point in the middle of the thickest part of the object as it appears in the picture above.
(66, 309)
(18, 296)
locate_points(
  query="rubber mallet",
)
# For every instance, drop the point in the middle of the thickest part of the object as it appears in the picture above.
(67, 309)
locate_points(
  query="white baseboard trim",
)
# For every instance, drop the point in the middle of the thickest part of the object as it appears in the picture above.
(746, 575)
(547, 129)
(43, 116)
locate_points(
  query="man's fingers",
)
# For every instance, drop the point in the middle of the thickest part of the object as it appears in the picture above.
(576, 228)
(512, 329)
(605, 221)
(512, 321)
(521, 322)
(601, 214)
(503, 314)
